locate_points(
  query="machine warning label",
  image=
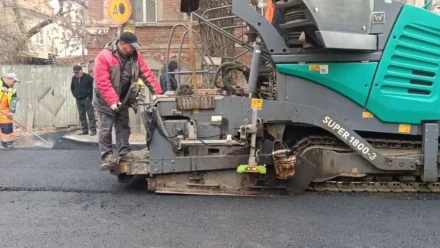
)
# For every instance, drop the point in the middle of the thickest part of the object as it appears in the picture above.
(358, 145)
(323, 69)
(314, 67)
(257, 103)
(404, 128)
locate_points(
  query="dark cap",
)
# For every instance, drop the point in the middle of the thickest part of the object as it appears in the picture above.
(77, 68)
(130, 38)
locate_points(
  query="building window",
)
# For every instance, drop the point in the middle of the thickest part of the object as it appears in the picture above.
(144, 11)
(39, 38)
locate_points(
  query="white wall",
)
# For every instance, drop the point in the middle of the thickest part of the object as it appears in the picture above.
(65, 44)
(42, 43)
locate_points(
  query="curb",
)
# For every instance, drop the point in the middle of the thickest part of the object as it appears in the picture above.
(86, 141)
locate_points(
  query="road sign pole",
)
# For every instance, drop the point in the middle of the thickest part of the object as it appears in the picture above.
(120, 30)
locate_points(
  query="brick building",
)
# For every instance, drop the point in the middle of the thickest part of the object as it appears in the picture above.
(153, 21)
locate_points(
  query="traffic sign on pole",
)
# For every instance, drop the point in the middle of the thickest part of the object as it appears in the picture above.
(119, 11)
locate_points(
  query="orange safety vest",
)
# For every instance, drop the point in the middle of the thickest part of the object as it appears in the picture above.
(270, 11)
(6, 104)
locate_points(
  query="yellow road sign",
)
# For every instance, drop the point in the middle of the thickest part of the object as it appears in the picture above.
(119, 11)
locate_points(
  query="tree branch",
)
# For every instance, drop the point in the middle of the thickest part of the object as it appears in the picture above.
(82, 3)
(15, 43)
(19, 19)
(61, 3)
(37, 28)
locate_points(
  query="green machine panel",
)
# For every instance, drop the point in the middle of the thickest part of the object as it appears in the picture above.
(352, 80)
(406, 86)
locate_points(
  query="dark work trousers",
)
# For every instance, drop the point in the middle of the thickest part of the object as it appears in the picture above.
(7, 134)
(122, 130)
(85, 107)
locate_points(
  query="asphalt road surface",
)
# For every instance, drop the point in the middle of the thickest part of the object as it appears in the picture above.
(60, 198)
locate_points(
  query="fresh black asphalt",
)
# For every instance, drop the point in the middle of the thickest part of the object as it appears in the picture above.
(59, 198)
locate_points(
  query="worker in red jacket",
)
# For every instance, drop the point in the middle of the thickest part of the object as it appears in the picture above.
(117, 66)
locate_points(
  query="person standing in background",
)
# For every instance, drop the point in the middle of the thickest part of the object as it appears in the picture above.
(82, 90)
(8, 105)
(172, 67)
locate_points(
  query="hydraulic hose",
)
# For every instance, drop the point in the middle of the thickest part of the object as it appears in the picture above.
(233, 65)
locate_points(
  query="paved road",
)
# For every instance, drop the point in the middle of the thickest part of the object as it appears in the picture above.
(60, 198)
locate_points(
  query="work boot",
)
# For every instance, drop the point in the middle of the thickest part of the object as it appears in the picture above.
(131, 156)
(109, 162)
(83, 132)
(9, 147)
(93, 133)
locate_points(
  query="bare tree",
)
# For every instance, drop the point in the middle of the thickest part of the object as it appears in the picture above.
(26, 18)
(436, 6)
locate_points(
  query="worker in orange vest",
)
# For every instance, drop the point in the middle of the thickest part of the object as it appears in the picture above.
(8, 105)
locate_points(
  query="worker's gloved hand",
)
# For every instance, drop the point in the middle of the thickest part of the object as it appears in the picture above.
(115, 106)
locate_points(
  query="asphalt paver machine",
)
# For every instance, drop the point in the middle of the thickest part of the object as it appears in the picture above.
(343, 95)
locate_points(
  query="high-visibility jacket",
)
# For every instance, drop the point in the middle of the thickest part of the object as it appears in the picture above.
(270, 11)
(8, 101)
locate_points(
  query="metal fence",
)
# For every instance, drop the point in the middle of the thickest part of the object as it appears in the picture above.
(45, 96)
